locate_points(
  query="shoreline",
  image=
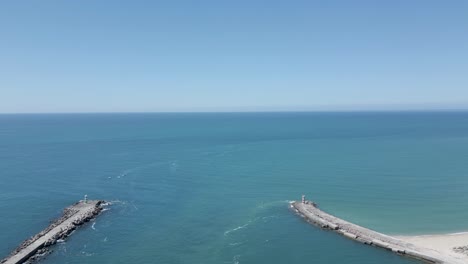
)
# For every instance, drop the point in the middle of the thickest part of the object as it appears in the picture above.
(430, 234)
(452, 244)
(432, 249)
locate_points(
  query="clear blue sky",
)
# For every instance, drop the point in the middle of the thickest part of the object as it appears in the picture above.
(126, 56)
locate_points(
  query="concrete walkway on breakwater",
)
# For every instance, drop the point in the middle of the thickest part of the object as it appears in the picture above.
(313, 214)
(74, 215)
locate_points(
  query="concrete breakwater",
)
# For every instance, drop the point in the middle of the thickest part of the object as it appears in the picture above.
(313, 214)
(72, 217)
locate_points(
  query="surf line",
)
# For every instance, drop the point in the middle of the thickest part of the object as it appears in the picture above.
(38, 245)
(312, 214)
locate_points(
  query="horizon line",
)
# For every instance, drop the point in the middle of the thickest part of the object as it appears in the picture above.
(246, 111)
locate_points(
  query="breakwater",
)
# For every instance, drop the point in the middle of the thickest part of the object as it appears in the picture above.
(37, 245)
(310, 212)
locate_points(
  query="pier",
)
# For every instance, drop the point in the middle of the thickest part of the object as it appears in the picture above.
(72, 217)
(310, 211)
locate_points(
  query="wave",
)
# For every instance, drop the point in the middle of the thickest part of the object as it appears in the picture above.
(113, 202)
(87, 254)
(125, 203)
(236, 244)
(237, 228)
(117, 202)
(459, 233)
(273, 204)
(92, 226)
(266, 218)
(262, 218)
(235, 259)
(122, 206)
(134, 206)
(141, 167)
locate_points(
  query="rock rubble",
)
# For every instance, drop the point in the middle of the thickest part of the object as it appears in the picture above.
(74, 212)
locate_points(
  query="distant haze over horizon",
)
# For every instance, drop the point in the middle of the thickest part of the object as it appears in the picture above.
(253, 109)
(347, 108)
(242, 56)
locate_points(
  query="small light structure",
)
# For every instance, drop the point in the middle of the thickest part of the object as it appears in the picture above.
(86, 198)
(303, 199)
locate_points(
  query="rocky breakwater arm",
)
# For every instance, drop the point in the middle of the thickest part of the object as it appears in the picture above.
(310, 212)
(72, 217)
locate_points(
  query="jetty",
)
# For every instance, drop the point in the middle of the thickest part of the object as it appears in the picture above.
(72, 217)
(310, 212)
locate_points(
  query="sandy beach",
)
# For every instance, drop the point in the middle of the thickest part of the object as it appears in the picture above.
(435, 249)
(455, 245)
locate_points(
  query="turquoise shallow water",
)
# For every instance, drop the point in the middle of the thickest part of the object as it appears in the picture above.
(214, 188)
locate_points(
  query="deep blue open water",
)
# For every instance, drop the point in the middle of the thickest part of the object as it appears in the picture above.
(214, 188)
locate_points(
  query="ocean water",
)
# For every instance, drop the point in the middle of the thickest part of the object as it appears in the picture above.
(214, 188)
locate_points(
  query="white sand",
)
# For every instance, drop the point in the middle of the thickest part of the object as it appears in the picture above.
(443, 244)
